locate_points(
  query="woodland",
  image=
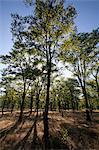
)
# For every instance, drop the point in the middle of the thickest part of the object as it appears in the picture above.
(39, 107)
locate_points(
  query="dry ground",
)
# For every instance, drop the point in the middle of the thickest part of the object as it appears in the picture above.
(70, 132)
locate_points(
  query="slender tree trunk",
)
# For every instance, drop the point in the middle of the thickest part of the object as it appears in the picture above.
(65, 105)
(22, 103)
(35, 123)
(72, 101)
(77, 105)
(97, 86)
(88, 118)
(54, 104)
(12, 105)
(62, 110)
(68, 105)
(31, 102)
(46, 129)
(59, 106)
(3, 106)
(50, 106)
(8, 103)
(37, 103)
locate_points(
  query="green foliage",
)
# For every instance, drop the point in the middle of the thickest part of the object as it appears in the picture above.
(41, 39)
(64, 133)
(81, 57)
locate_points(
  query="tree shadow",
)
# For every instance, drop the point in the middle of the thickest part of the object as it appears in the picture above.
(24, 143)
(10, 129)
(36, 142)
(15, 127)
(21, 144)
(80, 137)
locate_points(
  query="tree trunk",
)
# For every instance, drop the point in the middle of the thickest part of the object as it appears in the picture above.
(12, 107)
(59, 106)
(37, 103)
(54, 107)
(97, 86)
(50, 106)
(88, 117)
(46, 129)
(65, 105)
(31, 102)
(77, 105)
(3, 106)
(68, 105)
(72, 101)
(22, 104)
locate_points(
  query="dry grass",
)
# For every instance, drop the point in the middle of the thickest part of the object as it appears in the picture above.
(68, 132)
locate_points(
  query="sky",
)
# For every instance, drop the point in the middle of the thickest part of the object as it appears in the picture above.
(87, 18)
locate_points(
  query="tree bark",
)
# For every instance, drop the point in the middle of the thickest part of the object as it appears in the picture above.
(68, 105)
(88, 117)
(46, 129)
(97, 86)
(31, 102)
(3, 106)
(59, 106)
(22, 103)
(12, 107)
(37, 102)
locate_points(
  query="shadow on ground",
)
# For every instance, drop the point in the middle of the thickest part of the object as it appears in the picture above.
(70, 132)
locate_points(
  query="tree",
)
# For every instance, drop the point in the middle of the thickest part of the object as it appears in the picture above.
(23, 69)
(5, 86)
(68, 93)
(74, 92)
(94, 69)
(52, 25)
(44, 32)
(79, 56)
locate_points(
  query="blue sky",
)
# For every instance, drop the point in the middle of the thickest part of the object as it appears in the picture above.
(86, 21)
(6, 8)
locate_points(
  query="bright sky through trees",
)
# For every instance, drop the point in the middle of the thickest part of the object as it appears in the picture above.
(49, 74)
(86, 20)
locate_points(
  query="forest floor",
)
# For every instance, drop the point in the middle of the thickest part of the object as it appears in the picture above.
(70, 132)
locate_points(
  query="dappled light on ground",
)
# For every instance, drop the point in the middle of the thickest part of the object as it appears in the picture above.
(68, 132)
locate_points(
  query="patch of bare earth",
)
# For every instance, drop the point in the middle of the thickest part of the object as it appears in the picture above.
(70, 132)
